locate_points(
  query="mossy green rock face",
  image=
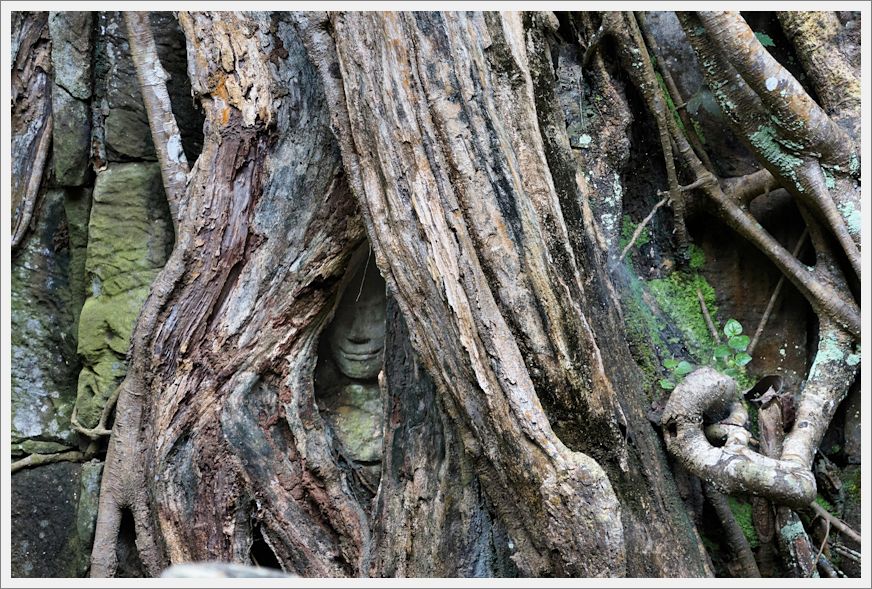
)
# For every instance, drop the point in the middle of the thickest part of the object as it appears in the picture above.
(356, 416)
(43, 349)
(130, 237)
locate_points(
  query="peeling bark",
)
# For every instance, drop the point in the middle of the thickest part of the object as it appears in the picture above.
(424, 141)
(31, 118)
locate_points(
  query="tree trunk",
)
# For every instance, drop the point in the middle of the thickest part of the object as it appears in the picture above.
(499, 414)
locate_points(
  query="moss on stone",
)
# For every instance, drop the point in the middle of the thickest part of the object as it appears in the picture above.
(851, 484)
(129, 239)
(697, 257)
(643, 329)
(825, 504)
(677, 296)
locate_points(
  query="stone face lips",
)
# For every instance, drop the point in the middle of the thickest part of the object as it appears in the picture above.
(130, 237)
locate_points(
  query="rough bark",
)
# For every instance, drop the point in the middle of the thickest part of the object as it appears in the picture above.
(31, 117)
(438, 135)
(222, 367)
(515, 438)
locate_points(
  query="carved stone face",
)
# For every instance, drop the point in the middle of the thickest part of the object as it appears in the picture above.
(357, 335)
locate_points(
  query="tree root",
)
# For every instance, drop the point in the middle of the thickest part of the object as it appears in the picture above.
(40, 459)
(749, 83)
(716, 336)
(734, 534)
(672, 89)
(123, 483)
(164, 131)
(735, 468)
(774, 298)
(101, 429)
(31, 195)
(640, 227)
(837, 523)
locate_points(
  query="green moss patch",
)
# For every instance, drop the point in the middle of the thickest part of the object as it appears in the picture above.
(677, 296)
(743, 513)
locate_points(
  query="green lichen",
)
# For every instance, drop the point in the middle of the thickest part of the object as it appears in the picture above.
(851, 216)
(584, 141)
(777, 151)
(792, 531)
(829, 180)
(854, 165)
(676, 295)
(828, 352)
(743, 513)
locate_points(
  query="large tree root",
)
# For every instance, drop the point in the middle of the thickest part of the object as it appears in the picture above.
(123, 484)
(734, 467)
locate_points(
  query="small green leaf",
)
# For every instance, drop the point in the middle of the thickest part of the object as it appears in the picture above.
(739, 342)
(732, 372)
(667, 384)
(765, 40)
(684, 367)
(670, 364)
(742, 358)
(722, 351)
(732, 328)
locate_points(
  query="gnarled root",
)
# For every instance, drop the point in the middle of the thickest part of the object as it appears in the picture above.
(734, 467)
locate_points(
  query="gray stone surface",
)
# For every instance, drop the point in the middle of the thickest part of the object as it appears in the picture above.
(43, 348)
(86, 512)
(853, 427)
(71, 138)
(119, 104)
(44, 501)
(71, 34)
(77, 205)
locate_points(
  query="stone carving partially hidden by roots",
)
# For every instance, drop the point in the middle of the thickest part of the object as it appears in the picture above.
(347, 385)
(707, 405)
